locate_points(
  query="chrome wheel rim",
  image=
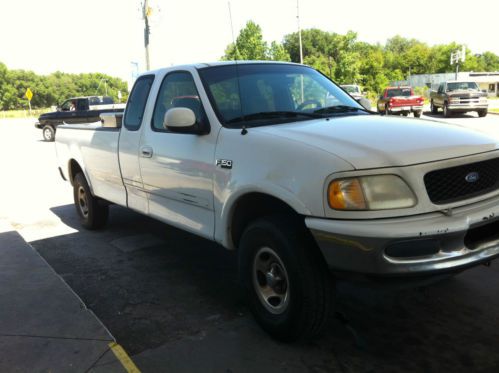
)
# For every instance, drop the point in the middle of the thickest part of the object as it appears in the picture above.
(82, 201)
(270, 281)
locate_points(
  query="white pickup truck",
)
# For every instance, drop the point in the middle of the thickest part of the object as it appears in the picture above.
(277, 162)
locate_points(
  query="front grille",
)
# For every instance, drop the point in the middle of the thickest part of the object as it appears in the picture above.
(462, 182)
(469, 97)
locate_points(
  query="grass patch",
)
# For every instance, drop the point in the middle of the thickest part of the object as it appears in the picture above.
(494, 110)
(35, 113)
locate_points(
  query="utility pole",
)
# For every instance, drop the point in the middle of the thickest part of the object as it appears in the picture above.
(146, 12)
(299, 29)
(301, 47)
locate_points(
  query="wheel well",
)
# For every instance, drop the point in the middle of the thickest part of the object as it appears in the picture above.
(74, 169)
(253, 206)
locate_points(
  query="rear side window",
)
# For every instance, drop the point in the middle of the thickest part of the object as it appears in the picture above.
(137, 103)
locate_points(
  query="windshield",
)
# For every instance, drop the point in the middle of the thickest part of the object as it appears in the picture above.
(262, 94)
(399, 92)
(351, 88)
(461, 86)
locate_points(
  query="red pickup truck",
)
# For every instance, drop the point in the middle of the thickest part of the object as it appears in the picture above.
(400, 100)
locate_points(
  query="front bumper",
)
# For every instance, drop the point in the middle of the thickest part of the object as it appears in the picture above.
(418, 245)
(468, 107)
(38, 125)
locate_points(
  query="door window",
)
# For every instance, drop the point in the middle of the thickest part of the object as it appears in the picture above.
(137, 103)
(177, 90)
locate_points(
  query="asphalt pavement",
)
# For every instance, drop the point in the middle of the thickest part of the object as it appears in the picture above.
(171, 300)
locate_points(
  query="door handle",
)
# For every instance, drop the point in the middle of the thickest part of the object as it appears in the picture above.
(146, 152)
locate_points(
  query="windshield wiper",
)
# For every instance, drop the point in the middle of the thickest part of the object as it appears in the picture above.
(273, 115)
(340, 109)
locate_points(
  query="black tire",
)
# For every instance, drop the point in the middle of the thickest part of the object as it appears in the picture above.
(387, 109)
(434, 109)
(93, 211)
(48, 133)
(482, 113)
(447, 112)
(405, 114)
(297, 304)
(417, 114)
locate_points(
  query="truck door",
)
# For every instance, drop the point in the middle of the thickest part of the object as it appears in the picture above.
(129, 143)
(81, 111)
(67, 112)
(440, 95)
(177, 168)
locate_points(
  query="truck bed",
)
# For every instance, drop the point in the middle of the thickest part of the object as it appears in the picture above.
(100, 150)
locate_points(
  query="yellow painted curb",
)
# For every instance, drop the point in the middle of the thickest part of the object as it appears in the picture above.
(123, 357)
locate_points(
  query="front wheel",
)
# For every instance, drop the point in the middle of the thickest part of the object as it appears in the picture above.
(434, 109)
(93, 211)
(48, 133)
(482, 113)
(387, 109)
(285, 280)
(447, 112)
(417, 114)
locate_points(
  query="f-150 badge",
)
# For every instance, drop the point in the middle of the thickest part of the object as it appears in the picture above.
(224, 163)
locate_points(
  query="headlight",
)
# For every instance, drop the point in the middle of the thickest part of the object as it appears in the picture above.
(454, 100)
(379, 192)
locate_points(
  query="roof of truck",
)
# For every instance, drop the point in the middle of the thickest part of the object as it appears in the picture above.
(202, 65)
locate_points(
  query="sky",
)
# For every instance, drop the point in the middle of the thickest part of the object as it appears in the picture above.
(106, 36)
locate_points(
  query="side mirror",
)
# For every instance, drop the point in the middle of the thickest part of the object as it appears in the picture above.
(179, 118)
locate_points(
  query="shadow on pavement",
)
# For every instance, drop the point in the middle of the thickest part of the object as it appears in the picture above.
(179, 293)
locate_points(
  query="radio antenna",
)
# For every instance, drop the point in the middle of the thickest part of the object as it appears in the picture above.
(232, 31)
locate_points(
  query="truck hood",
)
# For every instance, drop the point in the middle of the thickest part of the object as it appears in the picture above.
(372, 141)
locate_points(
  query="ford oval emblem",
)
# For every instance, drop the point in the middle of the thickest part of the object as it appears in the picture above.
(472, 177)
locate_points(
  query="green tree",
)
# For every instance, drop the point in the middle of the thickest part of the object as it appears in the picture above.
(489, 61)
(276, 52)
(52, 89)
(249, 45)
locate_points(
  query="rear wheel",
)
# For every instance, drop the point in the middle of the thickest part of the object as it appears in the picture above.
(93, 211)
(417, 114)
(482, 113)
(48, 133)
(285, 280)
